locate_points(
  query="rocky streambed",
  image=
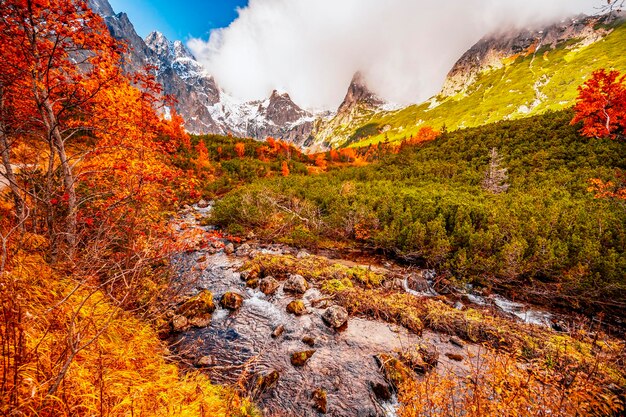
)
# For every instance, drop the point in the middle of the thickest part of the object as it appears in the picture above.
(288, 346)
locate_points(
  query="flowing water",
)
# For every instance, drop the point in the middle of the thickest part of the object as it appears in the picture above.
(238, 347)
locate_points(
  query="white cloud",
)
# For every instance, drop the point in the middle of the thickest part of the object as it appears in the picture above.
(311, 48)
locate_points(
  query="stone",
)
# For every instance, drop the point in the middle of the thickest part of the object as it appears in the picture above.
(457, 342)
(269, 285)
(198, 309)
(231, 301)
(418, 283)
(203, 204)
(243, 250)
(395, 371)
(296, 308)
(278, 331)
(206, 361)
(302, 254)
(200, 322)
(252, 283)
(301, 358)
(335, 317)
(308, 340)
(381, 391)
(229, 249)
(455, 357)
(430, 355)
(201, 259)
(296, 284)
(179, 323)
(267, 381)
(320, 400)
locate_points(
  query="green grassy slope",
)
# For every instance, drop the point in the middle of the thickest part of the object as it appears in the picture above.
(546, 80)
(546, 236)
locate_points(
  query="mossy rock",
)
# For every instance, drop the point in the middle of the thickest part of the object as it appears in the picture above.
(320, 400)
(301, 358)
(296, 308)
(231, 301)
(266, 382)
(198, 309)
(396, 372)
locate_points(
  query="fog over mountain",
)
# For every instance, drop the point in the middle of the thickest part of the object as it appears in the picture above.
(404, 48)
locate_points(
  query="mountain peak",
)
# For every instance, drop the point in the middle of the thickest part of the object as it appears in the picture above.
(101, 7)
(359, 93)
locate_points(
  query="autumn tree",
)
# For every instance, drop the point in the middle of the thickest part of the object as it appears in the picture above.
(65, 58)
(601, 105)
(284, 169)
(240, 149)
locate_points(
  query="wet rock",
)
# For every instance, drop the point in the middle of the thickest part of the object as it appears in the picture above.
(229, 249)
(320, 400)
(430, 355)
(381, 391)
(278, 331)
(417, 282)
(301, 358)
(335, 316)
(243, 250)
(198, 309)
(180, 323)
(302, 254)
(201, 259)
(206, 361)
(203, 204)
(458, 305)
(455, 357)
(252, 283)
(266, 382)
(268, 285)
(395, 371)
(296, 284)
(297, 308)
(308, 340)
(231, 301)
(457, 342)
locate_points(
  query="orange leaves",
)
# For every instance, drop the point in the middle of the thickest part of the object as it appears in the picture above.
(601, 105)
(284, 169)
(240, 149)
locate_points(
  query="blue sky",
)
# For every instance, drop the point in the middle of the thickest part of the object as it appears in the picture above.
(179, 20)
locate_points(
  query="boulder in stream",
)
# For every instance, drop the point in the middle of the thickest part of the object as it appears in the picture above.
(266, 382)
(335, 316)
(203, 204)
(198, 309)
(231, 301)
(179, 323)
(268, 285)
(301, 358)
(308, 340)
(430, 355)
(278, 331)
(296, 308)
(320, 400)
(206, 361)
(229, 248)
(296, 284)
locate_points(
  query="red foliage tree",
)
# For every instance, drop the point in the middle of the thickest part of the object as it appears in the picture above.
(285, 169)
(601, 105)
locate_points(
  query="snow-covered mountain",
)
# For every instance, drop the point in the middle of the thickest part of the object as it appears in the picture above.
(199, 100)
